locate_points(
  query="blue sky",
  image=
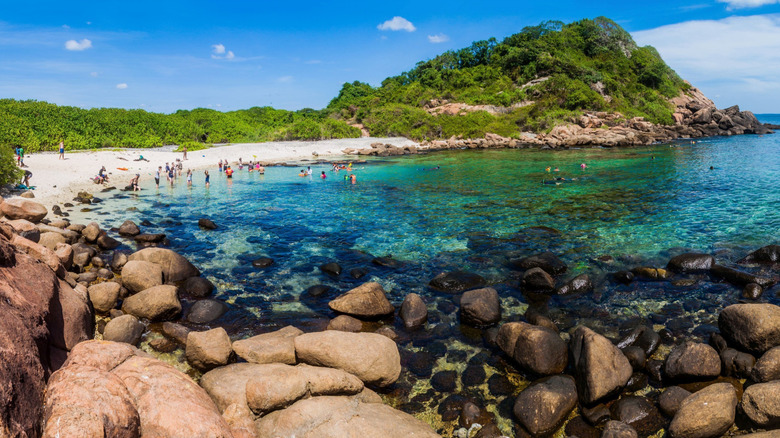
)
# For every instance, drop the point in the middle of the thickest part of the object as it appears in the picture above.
(168, 55)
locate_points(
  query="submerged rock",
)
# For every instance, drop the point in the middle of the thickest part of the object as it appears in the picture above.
(413, 311)
(752, 291)
(457, 281)
(207, 224)
(537, 280)
(580, 284)
(691, 262)
(547, 261)
(333, 269)
(262, 262)
(767, 255)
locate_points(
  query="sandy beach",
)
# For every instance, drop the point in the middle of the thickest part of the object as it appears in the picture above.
(57, 181)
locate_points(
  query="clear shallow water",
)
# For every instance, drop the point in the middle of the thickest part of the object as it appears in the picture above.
(639, 205)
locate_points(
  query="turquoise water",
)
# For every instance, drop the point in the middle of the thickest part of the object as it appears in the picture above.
(473, 210)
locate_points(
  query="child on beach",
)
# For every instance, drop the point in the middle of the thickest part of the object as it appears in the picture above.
(207, 178)
(157, 176)
(171, 175)
(62, 150)
(189, 177)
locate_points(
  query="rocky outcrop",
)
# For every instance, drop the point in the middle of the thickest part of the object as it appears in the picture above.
(274, 347)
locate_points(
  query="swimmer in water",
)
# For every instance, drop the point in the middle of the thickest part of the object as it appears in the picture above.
(548, 169)
(583, 166)
(323, 176)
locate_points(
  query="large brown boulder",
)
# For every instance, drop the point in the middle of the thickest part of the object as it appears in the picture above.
(754, 328)
(761, 403)
(169, 403)
(480, 307)
(338, 417)
(367, 301)
(104, 296)
(413, 311)
(50, 240)
(539, 349)
(157, 303)
(543, 405)
(691, 262)
(174, 266)
(209, 349)
(40, 253)
(373, 358)
(601, 368)
(83, 401)
(70, 319)
(274, 347)
(767, 367)
(125, 328)
(227, 385)
(708, 413)
(139, 275)
(65, 253)
(276, 386)
(91, 232)
(23, 209)
(692, 360)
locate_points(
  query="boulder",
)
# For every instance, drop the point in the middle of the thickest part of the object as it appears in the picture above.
(601, 368)
(761, 403)
(333, 269)
(547, 261)
(198, 287)
(739, 278)
(206, 311)
(104, 296)
(169, 403)
(149, 239)
(767, 366)
(26, 229)
(23, 209)
(457, 281)
(262, 262)
(126, 328)
(643, 337)
(209, 349)
(580, 284)
(207, 224)
(278, 346)
(373, 358)
(40, 253)
(129, 228)
(91, 232)
(227, 385)
(276, 386)
(106, 242)
(27, 194)
(754, 328)
(65, 253)
(543, 406)
(537, 280)
(618, 429)
(736, 363)
(71, 319)
(708, 413)
(480, 307)
(769, 254)
(340, 416)
(691, 262)
(139, 275)
(692, 360)
(345, 323)
(671, 399)
(157, 303)
(752, 291)
(177, 332)
(413, 311)
(51, 240)
(83, 401)
(537, 349)
(118, 260)
(367, 301)
(174, 266)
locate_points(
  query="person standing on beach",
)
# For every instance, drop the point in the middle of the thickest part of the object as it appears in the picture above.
(189, 177)
(157, 176)
(21, 156)
(184, 157)
(62, 150)
(207, 178)
(171, 175)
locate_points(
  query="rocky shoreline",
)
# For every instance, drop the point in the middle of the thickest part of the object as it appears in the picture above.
(77, 304)
(695, 116)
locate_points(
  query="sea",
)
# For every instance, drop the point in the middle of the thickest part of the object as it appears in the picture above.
(599, 210)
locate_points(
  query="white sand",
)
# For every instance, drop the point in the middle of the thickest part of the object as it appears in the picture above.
(57, 181)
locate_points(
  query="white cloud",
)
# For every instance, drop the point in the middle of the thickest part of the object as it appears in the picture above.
(439, 38)
(396, 24)
(742, 4)
(220, 52)
(94, 74)
(121, 86)
(65, 26)
(285, 79)
(78, 45)
(726, 55)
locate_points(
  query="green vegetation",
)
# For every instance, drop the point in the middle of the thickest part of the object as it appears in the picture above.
(533, 80)
(41, 126)
(540, 77)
